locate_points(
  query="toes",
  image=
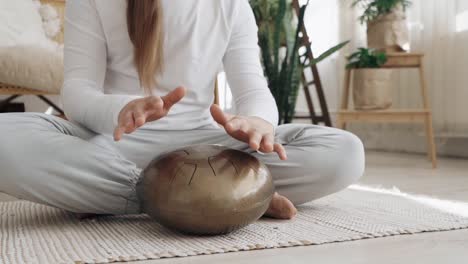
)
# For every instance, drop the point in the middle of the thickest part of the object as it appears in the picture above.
(287, 211)
(281, 208)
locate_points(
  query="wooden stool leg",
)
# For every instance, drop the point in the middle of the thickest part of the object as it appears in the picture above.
(432, 152)
(341, 124)
(430, 141)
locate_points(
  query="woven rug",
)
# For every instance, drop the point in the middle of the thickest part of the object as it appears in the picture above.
(32, 233)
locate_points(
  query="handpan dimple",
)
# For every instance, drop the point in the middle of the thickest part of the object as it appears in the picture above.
(206, 189)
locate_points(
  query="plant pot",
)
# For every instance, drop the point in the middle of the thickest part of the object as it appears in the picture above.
(389, 32)
(372, 89)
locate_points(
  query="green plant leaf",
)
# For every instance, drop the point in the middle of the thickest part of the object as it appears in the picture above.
(375, 8)
(279, 28)
(366, 58)
(327, 54)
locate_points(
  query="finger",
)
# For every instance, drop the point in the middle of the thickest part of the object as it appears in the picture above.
(267, 143)
(278, 148)
(234, 125)
(118, 133)
(154, 104)
(125, 119)
(254, 140)
(173, 97)
(153, 109)
(139, 118)
(218, 115)
(245, 127)
(130, 126)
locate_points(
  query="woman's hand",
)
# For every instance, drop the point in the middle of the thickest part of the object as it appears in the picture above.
(256, 132)
(141, 111)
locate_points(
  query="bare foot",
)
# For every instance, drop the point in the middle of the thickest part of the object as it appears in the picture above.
(281, 208)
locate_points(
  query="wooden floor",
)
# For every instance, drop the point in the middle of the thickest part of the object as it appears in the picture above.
(410, 173)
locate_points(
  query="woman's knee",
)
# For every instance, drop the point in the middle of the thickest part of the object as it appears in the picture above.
(338, 157)
(21, 145)
(350, 159)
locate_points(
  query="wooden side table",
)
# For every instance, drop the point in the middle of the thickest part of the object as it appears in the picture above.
(395, 60)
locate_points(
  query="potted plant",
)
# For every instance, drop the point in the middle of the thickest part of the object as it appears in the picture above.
(280, 39)
(386, 24)
(371, 84)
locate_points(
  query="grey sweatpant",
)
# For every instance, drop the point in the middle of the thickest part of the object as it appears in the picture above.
(51, 161)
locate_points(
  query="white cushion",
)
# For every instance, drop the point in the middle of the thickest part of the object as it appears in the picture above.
(21, 24)
(32, 67)
(50, 20)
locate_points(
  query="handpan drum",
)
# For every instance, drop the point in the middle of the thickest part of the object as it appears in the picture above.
(206, 189)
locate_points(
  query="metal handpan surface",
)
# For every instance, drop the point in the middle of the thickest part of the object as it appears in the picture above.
(206, 189)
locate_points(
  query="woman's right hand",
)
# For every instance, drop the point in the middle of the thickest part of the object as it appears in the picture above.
(141, 111)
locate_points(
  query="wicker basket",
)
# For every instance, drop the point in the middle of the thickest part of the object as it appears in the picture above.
(389, 32)
(372, 89)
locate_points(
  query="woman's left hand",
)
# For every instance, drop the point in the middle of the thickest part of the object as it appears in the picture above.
(256, 132)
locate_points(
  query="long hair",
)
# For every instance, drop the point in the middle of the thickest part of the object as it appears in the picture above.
(146, 31)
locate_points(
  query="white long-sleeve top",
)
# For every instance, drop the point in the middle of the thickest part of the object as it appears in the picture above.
(201, 37)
